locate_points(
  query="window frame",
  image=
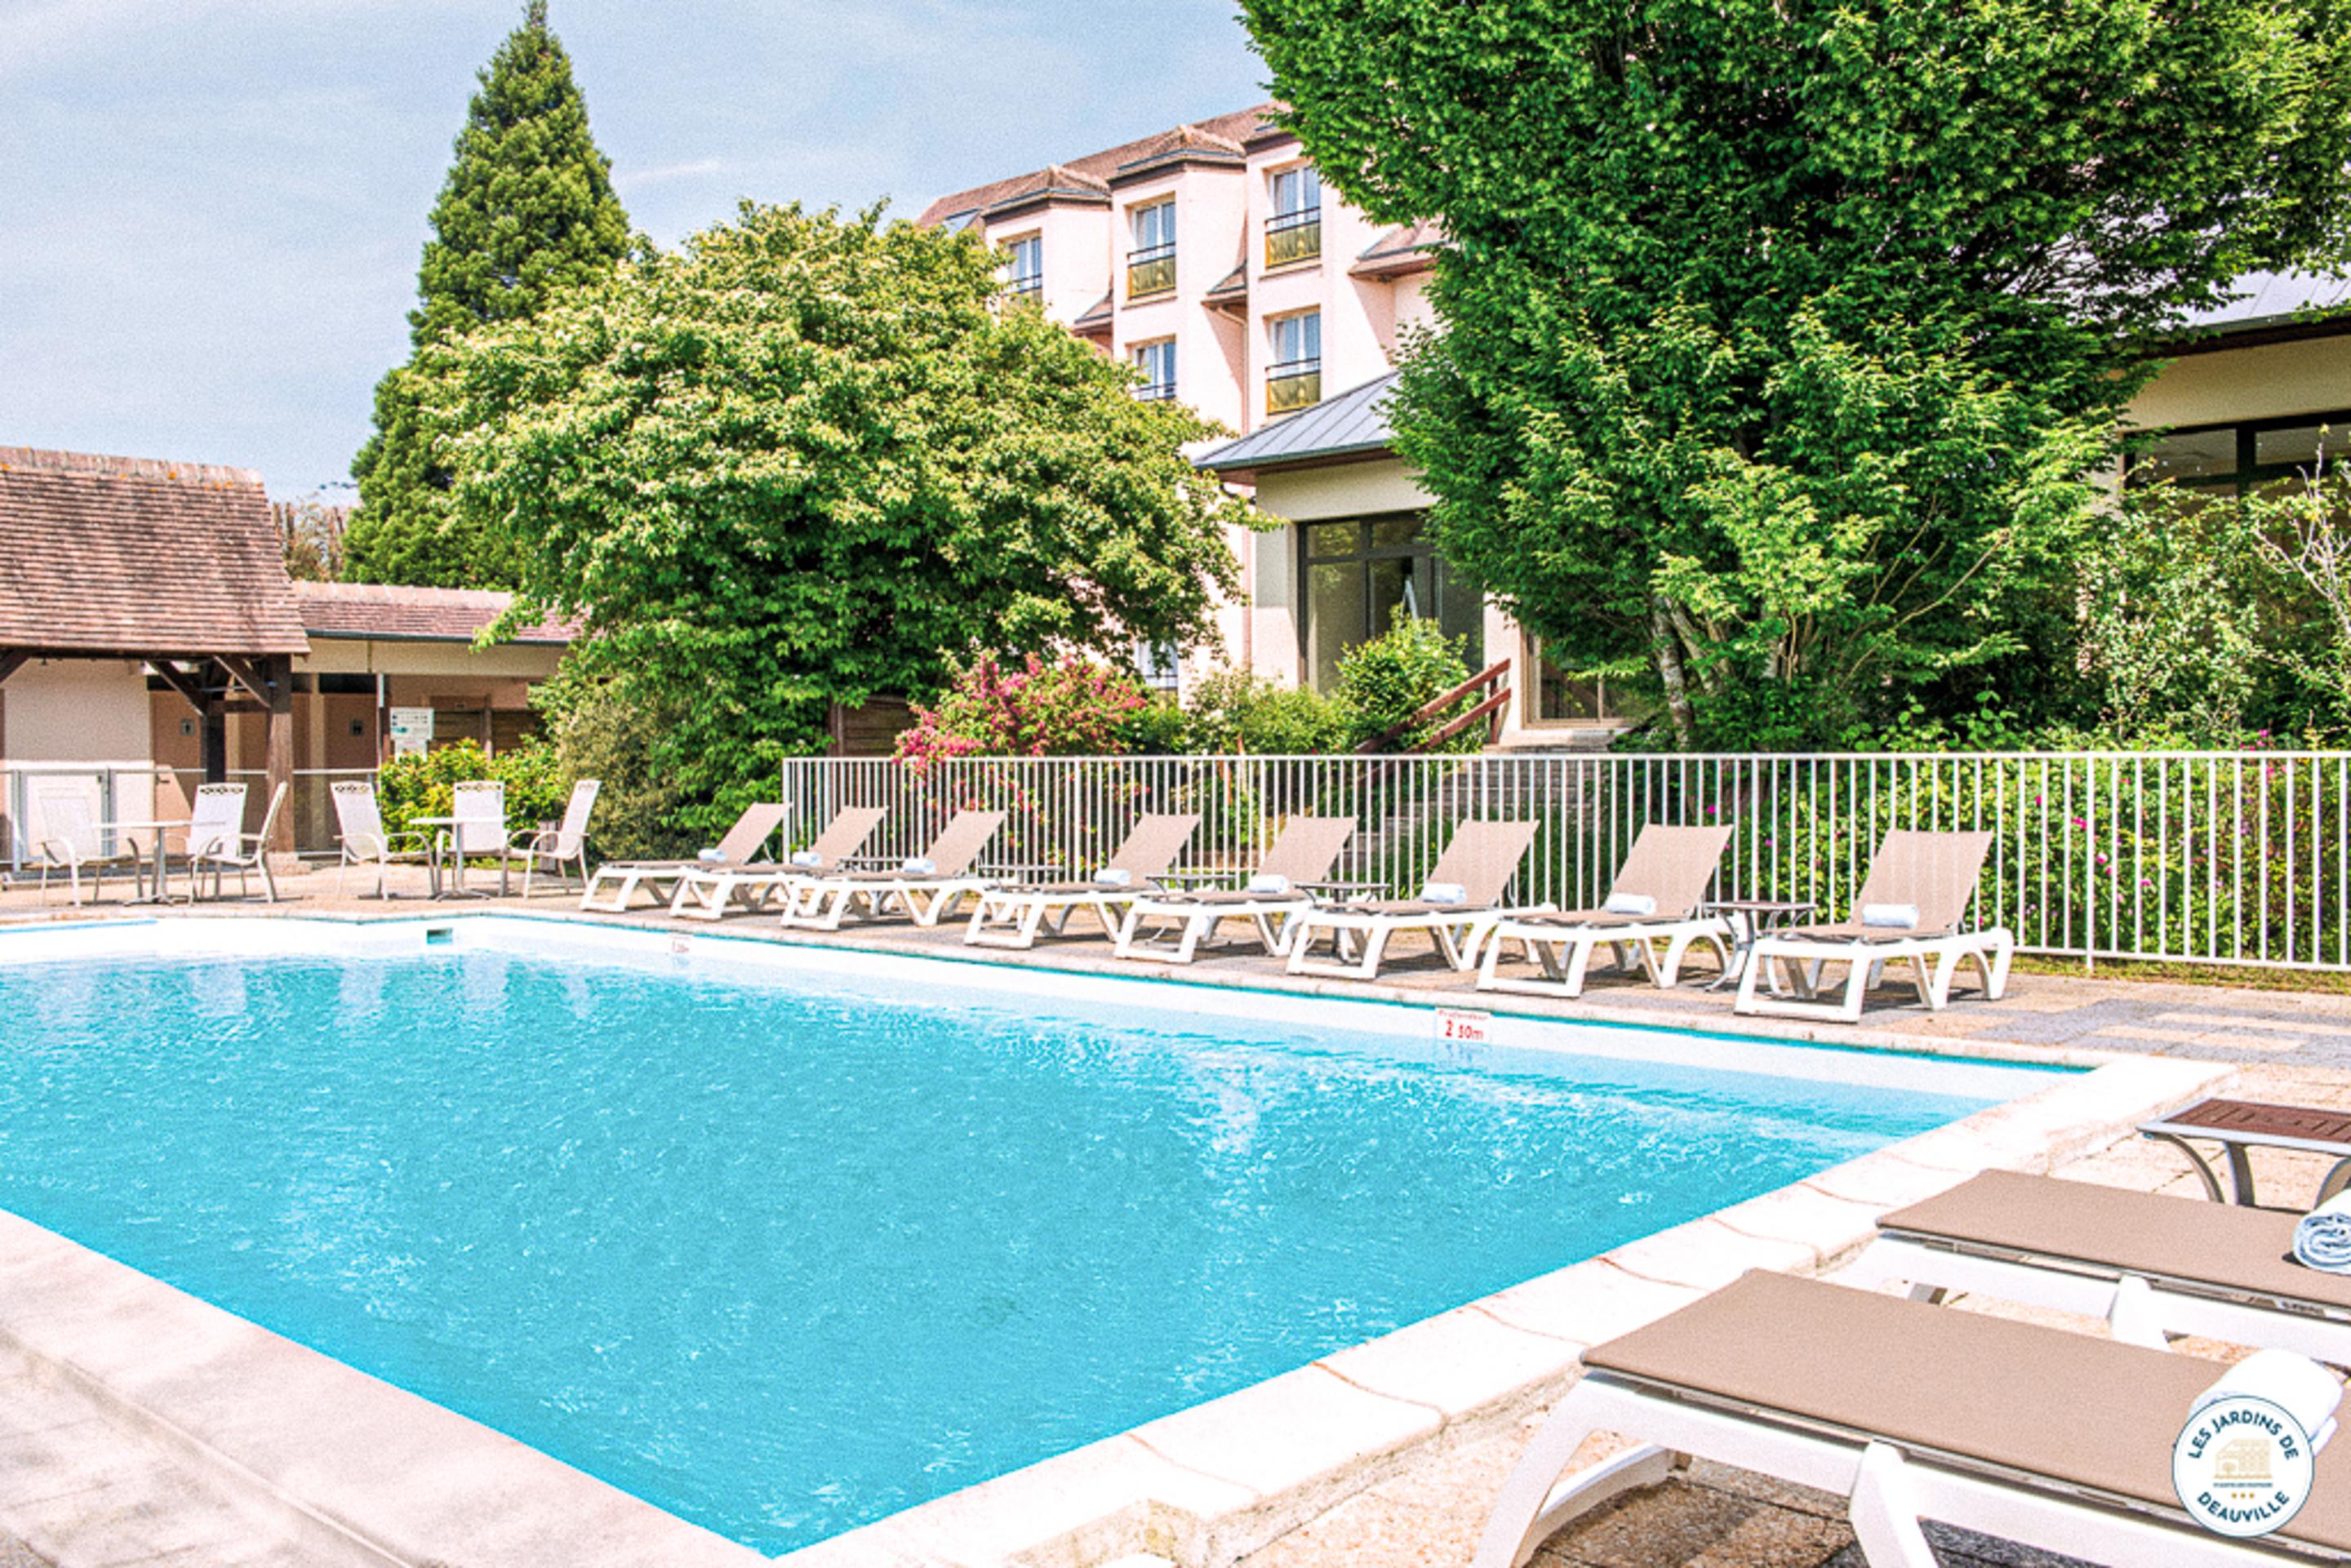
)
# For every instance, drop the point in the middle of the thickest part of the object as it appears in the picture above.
(1154, 390)
(1156, 261)
(1293, 236)
(1301, 371)
(1364, 555)
(1019, 284)
(2139, 445)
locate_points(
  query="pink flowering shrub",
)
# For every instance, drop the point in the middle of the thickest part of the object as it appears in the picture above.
(1074, 707)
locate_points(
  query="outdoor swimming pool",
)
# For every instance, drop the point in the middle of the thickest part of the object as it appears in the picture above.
(785, 1251)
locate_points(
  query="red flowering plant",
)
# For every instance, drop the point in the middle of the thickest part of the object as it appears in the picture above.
(1072, 707)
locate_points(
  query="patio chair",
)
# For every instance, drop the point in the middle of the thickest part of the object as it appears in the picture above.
(928, 887)
(2150, 1264)
(221, 844)
(1909, 908)
(2034, 1435)
(1273, 895)
(1469, 881)
(479, 828)
(1653, 899)
(564, 844)
(706, 892)
(363, 839)
(215, 824)
(66, 837)
(1016, 917)
(740, 848)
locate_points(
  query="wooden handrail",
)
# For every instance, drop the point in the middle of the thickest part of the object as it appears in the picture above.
(1490, 709)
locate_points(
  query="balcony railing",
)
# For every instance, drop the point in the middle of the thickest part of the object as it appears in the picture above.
(1157, 392)
(1151, 271)
(1294, 384)
(1029, 287)
(1293, 237)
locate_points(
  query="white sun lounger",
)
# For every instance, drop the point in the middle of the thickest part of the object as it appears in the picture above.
(2056, 1440)
(929, 887)
(1931, 875)
(706, 892)
(1670, 868)
(2149, 1264)
(740, 847)
(1015, 916)
(1275, 894)
(1481, 860)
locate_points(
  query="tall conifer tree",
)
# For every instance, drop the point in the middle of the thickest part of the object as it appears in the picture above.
(528, 211)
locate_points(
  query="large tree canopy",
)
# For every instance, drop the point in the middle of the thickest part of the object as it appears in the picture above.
(1783, 341)
(808, 460)
(527, 210)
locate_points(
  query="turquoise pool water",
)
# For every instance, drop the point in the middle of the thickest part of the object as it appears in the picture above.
(787, 1256)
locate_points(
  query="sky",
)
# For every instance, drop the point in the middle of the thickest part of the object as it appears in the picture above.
(211, 211)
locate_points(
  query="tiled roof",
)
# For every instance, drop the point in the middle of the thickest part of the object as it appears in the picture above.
(1232, 290)
(385, 613)
(1097, 318)
(1059, 181)
(1400, 250)
(1354, 421)
(1224, 133)
(134, 556)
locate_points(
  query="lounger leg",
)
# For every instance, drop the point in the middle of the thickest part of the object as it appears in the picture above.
(1758, 961)
(1884, 1512)
(1857, 988)
(1579, 962)
(1197, 926)
(1534, 1502)
(1490, 966)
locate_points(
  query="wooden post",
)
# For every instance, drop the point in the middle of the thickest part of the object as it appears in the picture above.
(278, 677)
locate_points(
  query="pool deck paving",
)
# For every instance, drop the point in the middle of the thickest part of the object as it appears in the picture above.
(78, 1488)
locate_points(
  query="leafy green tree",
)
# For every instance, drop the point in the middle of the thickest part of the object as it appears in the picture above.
(808, 459)
(527, 210)
(1781, 339)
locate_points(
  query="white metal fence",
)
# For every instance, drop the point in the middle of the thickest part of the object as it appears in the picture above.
(2213, 857)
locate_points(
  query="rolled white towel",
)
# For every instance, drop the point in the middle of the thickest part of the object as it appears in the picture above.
(2295, 1384)
(710, 857)
(1444, 892)
(1893, 917)
(807, 860)
(1272, 883)
(1630, 903)
(916, 865)
(1113, 877)
(2321, 1238)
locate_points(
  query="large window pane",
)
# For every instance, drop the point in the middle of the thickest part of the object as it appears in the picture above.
(1334, 618)
(2298, 445)
(2194, 455)
(1461, 612)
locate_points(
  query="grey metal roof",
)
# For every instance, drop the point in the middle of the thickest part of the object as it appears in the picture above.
(1354, 421)
(2271, 298)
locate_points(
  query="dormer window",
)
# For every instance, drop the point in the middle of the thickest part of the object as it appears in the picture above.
(1294, 233)
(1024, 267)
(1151, 265)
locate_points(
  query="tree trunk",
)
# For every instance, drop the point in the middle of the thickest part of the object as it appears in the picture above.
(1665, 648)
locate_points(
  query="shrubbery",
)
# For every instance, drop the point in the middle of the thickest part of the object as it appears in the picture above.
(538, 784)
(1383, 683)
(1072, 707)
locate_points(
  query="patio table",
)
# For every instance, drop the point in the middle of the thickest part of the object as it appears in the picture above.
(441, 848)
(162, 894)
(2239, 1126)
(1750, 918)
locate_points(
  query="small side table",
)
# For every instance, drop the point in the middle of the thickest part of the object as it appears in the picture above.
(1750, 918)
(455, 885)
(2240, 1126)
(162, 895)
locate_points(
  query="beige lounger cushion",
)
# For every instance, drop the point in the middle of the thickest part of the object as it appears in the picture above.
(2247, 1252)
(1984, 1391)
